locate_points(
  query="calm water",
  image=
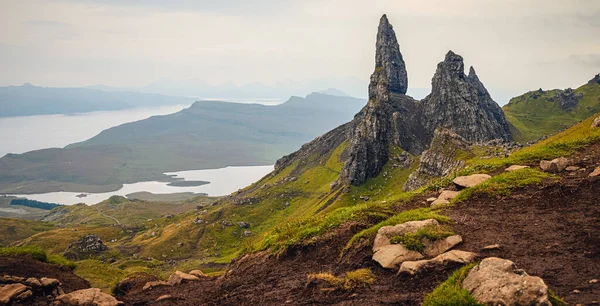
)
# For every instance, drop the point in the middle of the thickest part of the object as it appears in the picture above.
(223, 181)
(22, 134)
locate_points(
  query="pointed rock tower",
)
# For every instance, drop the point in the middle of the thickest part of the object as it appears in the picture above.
(372, 133)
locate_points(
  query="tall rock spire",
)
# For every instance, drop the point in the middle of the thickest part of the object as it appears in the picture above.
(390, 70)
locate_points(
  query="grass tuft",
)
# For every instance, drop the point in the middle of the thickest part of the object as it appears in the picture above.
(451, 293)
(352, 280)
(36, 253)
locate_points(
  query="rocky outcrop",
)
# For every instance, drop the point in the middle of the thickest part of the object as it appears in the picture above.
(442, 158)
(496, 281)
(390, 70)
(88, 245)
(461, 103)
(567, 99)
(595, 80)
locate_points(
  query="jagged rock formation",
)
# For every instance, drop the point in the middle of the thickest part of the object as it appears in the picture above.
(392, 119)
(461, 103)
(445, 155)
(595, 80)
(88, 245)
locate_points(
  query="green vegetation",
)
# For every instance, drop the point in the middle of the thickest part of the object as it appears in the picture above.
(12, 230)
(555, 300)
(537, 114)
(416, 241)
(36, 253)
(405, 216)
(502, 184)
(34, 204)
(351, 280)
(451, 293)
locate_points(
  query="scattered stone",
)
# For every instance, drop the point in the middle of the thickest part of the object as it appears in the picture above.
(33, 282)
(572, 168)
(515, 168)
(364, 198)
(596, 122)
(243, 224)
(451, 257)
(392, 255)
(595, 173)
(86, 297)
(439, 202)
(49, 282)
(448, 195)
(443, 245)
(431, 199)
(491, 247)
(10, 292)
(593, 281)
(164, 297)
(90, 244)
(178, 277)
(556, 165)
(471, 180)
(150, 285)
(575, 291)
(197, 273)
(24, 296)
(496, 281)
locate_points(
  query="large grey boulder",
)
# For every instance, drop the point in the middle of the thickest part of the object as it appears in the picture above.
(496, 281)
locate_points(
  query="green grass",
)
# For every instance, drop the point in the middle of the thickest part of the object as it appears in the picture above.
(502, 184)
(405, 216)
(534, 115)
(12, 230)
(451, 293)
(555, 300)
(416, 241)
(351, 280)
(99, 274)
(36, 253)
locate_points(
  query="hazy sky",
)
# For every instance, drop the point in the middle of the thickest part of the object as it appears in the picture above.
(514, 45)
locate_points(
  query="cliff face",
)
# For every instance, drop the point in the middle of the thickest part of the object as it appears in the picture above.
(458, 102)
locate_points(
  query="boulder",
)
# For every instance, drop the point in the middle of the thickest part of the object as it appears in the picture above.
(178, 277)
(496, 281)
(33, 282)
(10, 292)
(386, 232)
(515, 168)
(86, 297)
(441, 246)
(392, 255)
(471, 180)
(596, 123)
(595, 173)
(451, 257)
(197, 273)
(556, 165)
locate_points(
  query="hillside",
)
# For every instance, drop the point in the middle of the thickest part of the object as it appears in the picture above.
(540, 113)
(30, 100)
(362, 214)
(207, 135)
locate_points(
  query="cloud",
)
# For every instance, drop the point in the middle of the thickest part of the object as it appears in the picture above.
(51, 30)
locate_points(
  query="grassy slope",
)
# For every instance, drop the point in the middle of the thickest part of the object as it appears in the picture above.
(313, 211)
(531, 118)
(12, 230)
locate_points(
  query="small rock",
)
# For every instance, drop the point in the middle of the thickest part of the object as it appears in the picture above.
(49, 282)
(243, 224)
(24, 296)
(572, 168)
(491, 247)
(439, 202)
(197, 273)
(593, 281)
(496, 281)
(392, 255)
(441, 246)
(431, 199)
(576, 291)
(515, 168)
(9, 292)
(178, 277)
(33, 282)
(164, 297)
(86, 297)
(595, 173)
(556, 165)
(448, 195)
(471, 180)
(454, 256)
(150, 285)
(386, 232)
(596, 122)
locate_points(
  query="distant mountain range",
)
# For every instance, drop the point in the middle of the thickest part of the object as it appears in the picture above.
(209, 134)
(28, 100)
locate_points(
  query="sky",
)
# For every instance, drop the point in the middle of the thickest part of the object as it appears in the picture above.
(514, 45)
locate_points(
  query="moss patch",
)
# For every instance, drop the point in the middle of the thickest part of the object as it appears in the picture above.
(451, 293)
